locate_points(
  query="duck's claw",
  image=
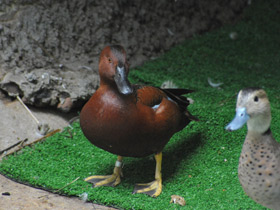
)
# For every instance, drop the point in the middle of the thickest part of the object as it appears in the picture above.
(110, 180)
(152, 189)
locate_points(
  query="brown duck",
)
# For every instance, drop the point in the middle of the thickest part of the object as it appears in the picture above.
(131, 120)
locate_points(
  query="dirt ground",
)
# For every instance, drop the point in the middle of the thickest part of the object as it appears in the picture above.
(49, 50)
(16, 125)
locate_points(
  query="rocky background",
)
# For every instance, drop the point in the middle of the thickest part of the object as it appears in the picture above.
(49, 49)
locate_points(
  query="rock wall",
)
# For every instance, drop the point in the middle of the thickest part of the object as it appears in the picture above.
(49, 49)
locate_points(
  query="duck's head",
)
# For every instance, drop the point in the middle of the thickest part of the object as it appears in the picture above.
(252, 107)
(113, 69)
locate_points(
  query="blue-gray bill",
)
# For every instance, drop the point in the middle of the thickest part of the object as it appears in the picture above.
(241, 117)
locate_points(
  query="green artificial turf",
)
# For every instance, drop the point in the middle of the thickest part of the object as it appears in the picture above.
(200, 162)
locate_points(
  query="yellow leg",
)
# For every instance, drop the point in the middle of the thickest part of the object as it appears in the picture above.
(110, 180)
(153, 188)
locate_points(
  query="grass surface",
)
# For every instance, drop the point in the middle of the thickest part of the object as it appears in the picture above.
(199, 163)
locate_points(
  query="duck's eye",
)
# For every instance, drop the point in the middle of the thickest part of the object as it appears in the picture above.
(110, 60)
(256, 99)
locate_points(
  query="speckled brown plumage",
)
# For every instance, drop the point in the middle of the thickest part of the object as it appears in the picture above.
(259, 163)
(259, 169)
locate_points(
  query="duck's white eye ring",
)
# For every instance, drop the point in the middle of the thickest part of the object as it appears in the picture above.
(256, 99)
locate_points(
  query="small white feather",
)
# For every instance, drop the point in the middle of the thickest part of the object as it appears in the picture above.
(212, 84)
(84, 196)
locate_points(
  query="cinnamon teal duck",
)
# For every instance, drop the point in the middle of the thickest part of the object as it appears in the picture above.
(131, 120)
(259, 162)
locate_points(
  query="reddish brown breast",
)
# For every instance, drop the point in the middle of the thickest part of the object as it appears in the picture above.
(117, 125)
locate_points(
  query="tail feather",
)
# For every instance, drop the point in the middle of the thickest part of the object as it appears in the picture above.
(175, 94)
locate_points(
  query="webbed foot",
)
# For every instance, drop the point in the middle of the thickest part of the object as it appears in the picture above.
(108, 180)
(154, 188)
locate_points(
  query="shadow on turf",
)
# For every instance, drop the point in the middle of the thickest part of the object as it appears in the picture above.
(141, 170)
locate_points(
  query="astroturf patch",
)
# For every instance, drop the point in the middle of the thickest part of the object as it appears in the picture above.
(200, 162)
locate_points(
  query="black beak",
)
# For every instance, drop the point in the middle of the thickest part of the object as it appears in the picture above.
(122, 82)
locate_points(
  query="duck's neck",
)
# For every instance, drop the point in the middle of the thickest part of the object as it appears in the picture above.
(257, 135)
(260, 124)
(112, 90)
(104, 82)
